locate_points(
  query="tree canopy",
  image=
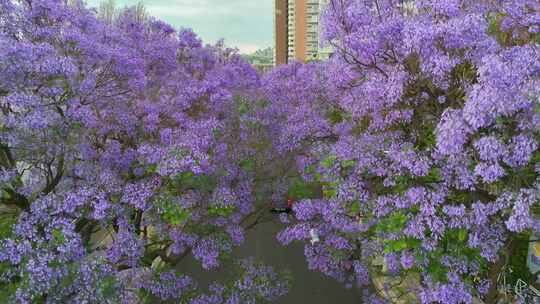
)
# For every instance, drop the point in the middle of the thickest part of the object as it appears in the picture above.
(411, 155)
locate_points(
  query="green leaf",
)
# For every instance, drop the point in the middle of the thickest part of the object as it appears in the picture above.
(190, 181)
(437, 270)
(216, 210)
(58, 236)
(335, 116)
(302, 190)
(362, 125)
(462, 235)
(7, 291)
(243, 108)
(394, 223)
(400, 245)
(354, 208)
(6, 225)
(330, 193)
(536, 39)
(172, 213)
(311, 169)
(177, 217)
(433, 176)
(329, 161)
(151, 169)
(248, 164)
(217, 133)
(395, 246)
(348, 164)
(108, 287)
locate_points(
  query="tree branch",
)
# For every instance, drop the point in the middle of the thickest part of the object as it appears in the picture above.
(54, 181)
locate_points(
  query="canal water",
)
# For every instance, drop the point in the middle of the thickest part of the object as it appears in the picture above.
(307, 286)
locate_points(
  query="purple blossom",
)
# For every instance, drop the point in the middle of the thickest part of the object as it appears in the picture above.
(521, 151)
(407, 260)
(489, 172)
(452, 132)
(489, 148)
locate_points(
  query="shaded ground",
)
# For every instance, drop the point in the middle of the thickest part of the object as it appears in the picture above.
(308, 286)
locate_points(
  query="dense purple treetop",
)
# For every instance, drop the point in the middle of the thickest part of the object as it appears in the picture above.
(412, 154)
(120, 131)
(423, 130)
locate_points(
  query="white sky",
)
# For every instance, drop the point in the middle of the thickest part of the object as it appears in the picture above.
(246, 24)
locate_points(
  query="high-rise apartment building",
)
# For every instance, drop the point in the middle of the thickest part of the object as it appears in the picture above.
(280, 31)
(296, 29)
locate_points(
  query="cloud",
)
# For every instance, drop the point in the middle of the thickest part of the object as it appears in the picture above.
(246, 24)
(189, 8)
(247, 48)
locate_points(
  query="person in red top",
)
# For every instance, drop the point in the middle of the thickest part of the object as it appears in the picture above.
(290, 202)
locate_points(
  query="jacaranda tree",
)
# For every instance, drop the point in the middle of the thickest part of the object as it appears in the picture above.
(124, 148)
(411, 156)
(423, 133)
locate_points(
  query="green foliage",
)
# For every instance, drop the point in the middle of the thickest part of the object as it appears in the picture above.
(348, 164)
(151, 169)
(6, 225)
(354, 208)
(426, 138)
(304, 190)
(224, 211)
(463, 72)
(7, 290)
(67, 280)
(248, 164)
(242, 106)
(336, 116)
(329, 190)
(437, 270)
(201, 229)
(362, 125)
(459, 197)
(400, 245)
(312, 170)
(190, 181)
(58, 236)
(329, 162)
(405, 182)
(339, 255)
(412, 63)
(517, 262)
(172, 212)
(454, 242)
(393, 223)
(329, 193)
(217, 133)
(108, 287)
(462, 235)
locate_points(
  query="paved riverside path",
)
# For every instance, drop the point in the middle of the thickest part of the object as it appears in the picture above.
(308, 287)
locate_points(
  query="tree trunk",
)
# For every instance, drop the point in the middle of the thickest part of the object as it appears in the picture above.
(495, 269)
